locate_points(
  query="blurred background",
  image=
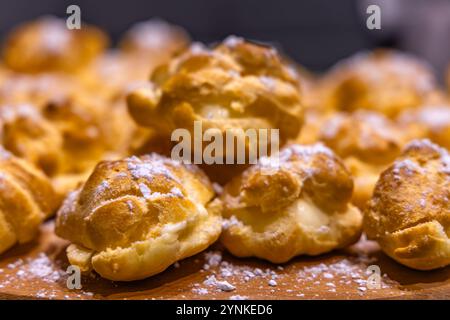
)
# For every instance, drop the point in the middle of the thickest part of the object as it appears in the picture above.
(315, 33)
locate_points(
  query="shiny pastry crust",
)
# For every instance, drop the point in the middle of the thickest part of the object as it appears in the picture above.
(135, 217)
(384, 81)
(368, 142)
(235, 85)
(46, 44)
(26, 200)
(300, 206)
(409, 213)
(432, 122)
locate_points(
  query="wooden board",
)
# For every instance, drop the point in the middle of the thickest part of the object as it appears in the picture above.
(37, 271)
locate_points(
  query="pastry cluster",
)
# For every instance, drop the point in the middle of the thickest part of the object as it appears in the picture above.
(85, 132)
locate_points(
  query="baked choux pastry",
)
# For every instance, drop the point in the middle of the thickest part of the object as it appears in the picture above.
(431, 121)
(367, 142)
(155, 39)
(315, 120)
(54, 122)
(28, 135)
(409, 213)
(26, 200)
(236, 85)
(383, 80)
(37, 89)
(297, 205)
(46, 44)
(145, 46)
(135, 217)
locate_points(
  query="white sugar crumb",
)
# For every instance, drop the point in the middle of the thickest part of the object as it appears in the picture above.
(102, 187)
(201, 291)
(148, 170)
(176, 192)
(230, 222)
(221, 285)
(176, 265)
(146, 192)
(218, 189)
(269, 82)
(272, 283)
(225, 286)
(238, 297)
(213, 259)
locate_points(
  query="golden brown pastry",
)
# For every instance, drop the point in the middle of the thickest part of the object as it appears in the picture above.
(37, 89)
(368, 142)
(431, 121)
(46, 44)
(135, 217)
(55, 123)
(383, 80)
(315, 121)
(236, 85)
(28, 135)
(4, 74)
(299, 206)
(144, 47)
(26, 200)
(409, 213)
(154, 38)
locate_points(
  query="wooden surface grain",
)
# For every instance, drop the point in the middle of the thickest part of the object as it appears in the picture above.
(37, 271)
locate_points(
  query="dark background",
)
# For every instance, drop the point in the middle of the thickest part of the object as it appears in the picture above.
(316, 33)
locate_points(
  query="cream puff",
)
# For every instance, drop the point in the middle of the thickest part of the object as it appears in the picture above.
(293, 203)
(409, 213)
(135, 217)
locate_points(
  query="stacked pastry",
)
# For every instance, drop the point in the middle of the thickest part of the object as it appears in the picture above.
(236, 85)
(83, 123)
(59, 106)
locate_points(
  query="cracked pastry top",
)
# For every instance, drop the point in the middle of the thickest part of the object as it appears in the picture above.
(235, 85)
(46, 44)
(297, 205)
(409, 213)
(135, 217)
(27, 198)
(368, 142)
(383, 80)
